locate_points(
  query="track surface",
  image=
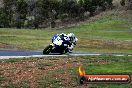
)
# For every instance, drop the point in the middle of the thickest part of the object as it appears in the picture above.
(5, 54)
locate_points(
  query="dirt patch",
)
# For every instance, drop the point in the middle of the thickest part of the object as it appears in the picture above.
(4, 46)
(33, 70)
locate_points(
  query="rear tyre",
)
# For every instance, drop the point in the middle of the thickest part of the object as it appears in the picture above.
(48, 49)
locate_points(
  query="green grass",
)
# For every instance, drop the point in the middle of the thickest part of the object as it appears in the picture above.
(9, 60)
(68, 77)
(43, 65)
(50, 81)
(117, 65)
(22, 84)
(108, 28)
(111, 86)
(104, 28)
(2, 78)
(108, 65)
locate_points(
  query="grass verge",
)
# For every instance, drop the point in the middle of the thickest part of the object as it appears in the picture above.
(55, 72)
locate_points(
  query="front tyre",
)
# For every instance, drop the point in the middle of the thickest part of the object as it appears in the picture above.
(48, 49)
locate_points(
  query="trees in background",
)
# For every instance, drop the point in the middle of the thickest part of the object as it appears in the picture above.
(127, 4)
(6, 14)
(32, 13)
(13, 13)
(21, 12)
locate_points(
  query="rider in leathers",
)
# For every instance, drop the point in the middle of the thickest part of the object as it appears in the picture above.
(65, 40)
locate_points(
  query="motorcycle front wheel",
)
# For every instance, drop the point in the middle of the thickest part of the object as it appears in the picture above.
(48, 49)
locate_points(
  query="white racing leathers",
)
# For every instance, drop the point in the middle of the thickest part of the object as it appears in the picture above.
(73, 44)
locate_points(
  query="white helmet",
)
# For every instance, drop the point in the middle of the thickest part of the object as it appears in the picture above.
(71, 36)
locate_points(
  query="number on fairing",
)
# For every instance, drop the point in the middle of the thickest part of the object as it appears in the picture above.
(56, 38)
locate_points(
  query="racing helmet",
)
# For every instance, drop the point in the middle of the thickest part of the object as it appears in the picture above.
(71, 36)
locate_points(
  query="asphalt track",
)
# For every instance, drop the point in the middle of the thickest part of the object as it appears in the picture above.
(7, 54)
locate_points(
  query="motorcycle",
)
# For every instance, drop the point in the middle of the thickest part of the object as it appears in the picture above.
(60, 45)
(53, 49)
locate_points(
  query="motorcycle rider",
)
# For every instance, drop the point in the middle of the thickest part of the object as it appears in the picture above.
(58, 39)
(65, 40)
(73, 41)
(72, 38)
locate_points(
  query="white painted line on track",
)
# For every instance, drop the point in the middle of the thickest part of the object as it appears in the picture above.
(85, 54)
(129, 55)
(118, 55)
(9, 57)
